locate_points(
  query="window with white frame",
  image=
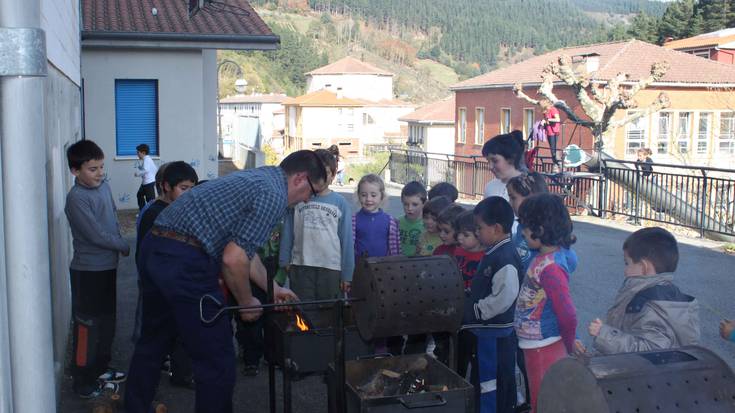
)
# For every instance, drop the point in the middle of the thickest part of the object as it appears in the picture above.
(635, 135)
(367, 119)
(462, 138)
(479, 126)
(664, 133)
(683, 132)
(416, 135)
(528, 118)
(703, 132)
(726, 137)
(505, 120)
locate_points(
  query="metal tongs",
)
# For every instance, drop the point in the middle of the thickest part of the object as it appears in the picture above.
(211, 302)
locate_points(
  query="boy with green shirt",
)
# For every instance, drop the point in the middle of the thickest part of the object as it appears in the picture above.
(411, 225)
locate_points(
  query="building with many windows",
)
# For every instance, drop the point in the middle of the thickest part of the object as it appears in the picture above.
(348, 103)
(697, 128)
(718, 46)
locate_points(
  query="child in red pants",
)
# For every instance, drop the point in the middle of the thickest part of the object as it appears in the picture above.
(545, 317)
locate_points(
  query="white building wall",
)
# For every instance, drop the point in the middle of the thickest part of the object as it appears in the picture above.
(440, 139)
(60, 21)
(209, 168)
(386, 121)
(370, 87)
(187, 115)
(325, 123)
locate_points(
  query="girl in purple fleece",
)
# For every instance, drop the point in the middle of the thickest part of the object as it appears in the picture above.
(376, 233)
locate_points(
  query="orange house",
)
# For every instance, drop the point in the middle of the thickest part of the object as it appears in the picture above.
(698, 127)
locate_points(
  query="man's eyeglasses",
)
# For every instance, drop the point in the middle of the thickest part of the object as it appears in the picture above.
(313, 191)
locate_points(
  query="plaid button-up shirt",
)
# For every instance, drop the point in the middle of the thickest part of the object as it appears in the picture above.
(242, 207)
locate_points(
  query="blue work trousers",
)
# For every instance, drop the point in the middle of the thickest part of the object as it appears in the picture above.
(174, 276)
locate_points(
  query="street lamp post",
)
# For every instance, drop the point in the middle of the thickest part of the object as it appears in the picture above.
(240, 85)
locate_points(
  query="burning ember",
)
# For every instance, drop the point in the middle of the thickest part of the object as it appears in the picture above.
(301, 323)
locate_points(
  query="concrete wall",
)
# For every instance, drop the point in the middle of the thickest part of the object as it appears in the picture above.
(186, 108)
(370, 87)
(63, 127)
(62, 106)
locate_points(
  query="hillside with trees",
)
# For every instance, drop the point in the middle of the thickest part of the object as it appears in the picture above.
(429, 44)
(684, 18)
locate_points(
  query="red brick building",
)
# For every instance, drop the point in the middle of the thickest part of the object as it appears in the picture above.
(698, 127)
(718, 46)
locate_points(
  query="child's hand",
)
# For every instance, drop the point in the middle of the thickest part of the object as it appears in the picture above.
(726, 328)
(579, 348)
(346, 286)
(595, 327)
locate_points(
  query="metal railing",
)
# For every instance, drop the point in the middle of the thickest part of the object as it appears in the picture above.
(700, 198)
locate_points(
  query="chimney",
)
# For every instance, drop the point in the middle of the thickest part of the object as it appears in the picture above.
(339, 93)
(592, 63)
(586, 63)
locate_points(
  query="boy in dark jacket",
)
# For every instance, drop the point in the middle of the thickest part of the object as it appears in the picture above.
(489, 311)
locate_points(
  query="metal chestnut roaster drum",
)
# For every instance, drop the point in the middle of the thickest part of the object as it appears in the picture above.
(404, 296)
(688, 379)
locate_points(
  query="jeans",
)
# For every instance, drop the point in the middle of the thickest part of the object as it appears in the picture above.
(174, 276)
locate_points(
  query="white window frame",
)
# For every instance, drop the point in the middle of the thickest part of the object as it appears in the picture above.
(683, 131)
(663, 139)
(462, 132)
(479, 125)
(505, 127)
(703, 137)
(416, 134)
(528, 121)
(726, 135)
(635, 135)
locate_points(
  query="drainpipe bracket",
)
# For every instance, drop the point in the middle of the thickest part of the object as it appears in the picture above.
(22, 52)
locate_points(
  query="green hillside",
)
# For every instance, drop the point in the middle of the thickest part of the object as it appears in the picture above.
(428, 44)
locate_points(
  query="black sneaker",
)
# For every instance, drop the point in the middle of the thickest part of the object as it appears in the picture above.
(112, 376)
(95, 390)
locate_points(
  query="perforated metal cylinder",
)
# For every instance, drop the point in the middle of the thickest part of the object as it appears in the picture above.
(407, 296)
(688, 379)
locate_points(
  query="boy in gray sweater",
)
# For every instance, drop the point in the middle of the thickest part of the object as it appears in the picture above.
(97, 242)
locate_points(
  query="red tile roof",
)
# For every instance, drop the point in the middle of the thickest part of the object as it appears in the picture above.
(225, 19)
(326, 97)
(718, 38)
(437, 112)
(632, 57)
(322, 98)
(349, 66)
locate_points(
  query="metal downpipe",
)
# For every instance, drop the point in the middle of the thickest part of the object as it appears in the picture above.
(25, 220)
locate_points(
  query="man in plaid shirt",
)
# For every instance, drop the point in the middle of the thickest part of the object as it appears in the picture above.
(211, 230)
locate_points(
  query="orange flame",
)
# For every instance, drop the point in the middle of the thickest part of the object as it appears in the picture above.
(301, 324)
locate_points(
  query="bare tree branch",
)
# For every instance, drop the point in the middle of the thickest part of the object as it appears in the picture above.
(599, 103)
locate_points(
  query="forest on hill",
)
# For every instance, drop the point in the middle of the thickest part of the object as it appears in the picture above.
(431, 44)
(684, 18)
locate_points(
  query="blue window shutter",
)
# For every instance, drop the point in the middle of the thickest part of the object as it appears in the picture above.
(136, 115)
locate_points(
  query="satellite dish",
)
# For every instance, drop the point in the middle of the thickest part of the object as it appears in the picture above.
(574, 156)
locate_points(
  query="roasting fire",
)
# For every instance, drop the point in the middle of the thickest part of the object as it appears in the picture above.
(301, 323)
